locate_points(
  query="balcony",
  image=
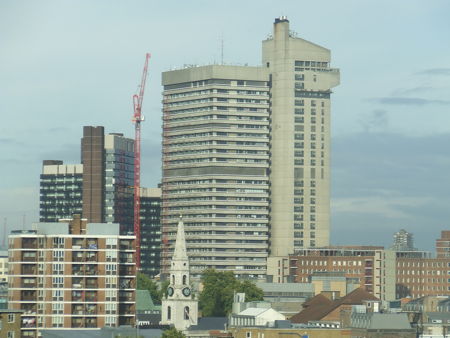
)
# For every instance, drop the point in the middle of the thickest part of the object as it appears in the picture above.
(77, 296)
(29, 243)
(29, 256)
(28, 269)
(28, 283)
(126, 271)
(77, 322)
(28, 296)
(78, 309)
(91, 309)
(91, 322)
(28, 309)
(126, 283)
(91, 283)
(91, 257)
(91, 270)
(91, 296)
(78, 256)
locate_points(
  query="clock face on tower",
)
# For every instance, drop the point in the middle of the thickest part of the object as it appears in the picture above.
(187, 292)
(170, 291)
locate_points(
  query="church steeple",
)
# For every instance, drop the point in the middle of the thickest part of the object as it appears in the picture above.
(180, 244)
(180, 308)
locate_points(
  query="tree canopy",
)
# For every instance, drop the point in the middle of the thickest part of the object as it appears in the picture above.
(145, 283)
(216, 299)
(172, 333)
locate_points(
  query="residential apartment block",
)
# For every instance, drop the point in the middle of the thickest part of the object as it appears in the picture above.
(72, 274)
(246, 156)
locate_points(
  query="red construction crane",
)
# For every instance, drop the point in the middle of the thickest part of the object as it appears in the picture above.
(137, 119)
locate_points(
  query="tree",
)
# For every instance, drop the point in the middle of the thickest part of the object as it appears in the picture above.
(145, 283)
(172, 333)
(216, 299)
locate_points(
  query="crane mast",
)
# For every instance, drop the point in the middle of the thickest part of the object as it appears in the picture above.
(137, 119)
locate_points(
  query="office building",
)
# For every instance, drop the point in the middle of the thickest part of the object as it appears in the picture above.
(61, 188)
(373, 268)
(72, 274)
(119, 181)
(443, 245)
(403, 241)
(101, 187)
(245, 145)
(150, 231)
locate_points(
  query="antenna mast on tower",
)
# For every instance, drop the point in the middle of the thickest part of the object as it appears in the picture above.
(137, 119)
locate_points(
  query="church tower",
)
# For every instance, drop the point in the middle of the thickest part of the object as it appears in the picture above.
(179, 309)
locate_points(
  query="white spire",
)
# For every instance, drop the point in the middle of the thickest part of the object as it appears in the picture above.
(180, 243)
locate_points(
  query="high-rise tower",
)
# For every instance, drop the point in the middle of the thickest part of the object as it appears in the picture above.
(301, 82)
(246, 155)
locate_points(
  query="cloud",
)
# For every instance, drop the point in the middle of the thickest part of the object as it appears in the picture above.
(383, 181)
(435, 71)
(10, 141)
(386, 206)
(375, 120)
(415, 90)
(408, 101)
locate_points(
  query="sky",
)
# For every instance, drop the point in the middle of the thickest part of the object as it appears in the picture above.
(65, 64)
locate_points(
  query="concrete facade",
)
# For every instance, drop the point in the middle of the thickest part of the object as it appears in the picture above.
(242, 145)
(301, 82)
(215, 161)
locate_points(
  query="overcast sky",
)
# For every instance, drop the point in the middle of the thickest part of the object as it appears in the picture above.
(65, 64)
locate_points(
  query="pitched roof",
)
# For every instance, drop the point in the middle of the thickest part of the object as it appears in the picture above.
(210, 323)
(319, 306)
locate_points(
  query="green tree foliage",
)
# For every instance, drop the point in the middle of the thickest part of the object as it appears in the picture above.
(172, 333)
(145, 283)
(216, 299)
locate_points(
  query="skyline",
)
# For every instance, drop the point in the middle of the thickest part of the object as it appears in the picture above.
(392, 99)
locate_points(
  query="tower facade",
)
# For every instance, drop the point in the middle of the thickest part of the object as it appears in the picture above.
(72, 274)
(101, 187)
(301, 83)
(150, 231)
(246, 156)
(61, 188)
(215, 166)
(179, 308)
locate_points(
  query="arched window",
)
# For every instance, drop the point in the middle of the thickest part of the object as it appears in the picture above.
(186, 312)
(173, 279)
(169, 312)
(184, 279)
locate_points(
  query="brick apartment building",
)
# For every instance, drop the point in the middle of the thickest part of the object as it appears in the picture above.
(72, 274)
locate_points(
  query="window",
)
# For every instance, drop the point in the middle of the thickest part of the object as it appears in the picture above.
(184, 279)
(10, 334)
(169, 312)
(110, 321)
(57, 308)
(248, 334)
(58, 242)
(186, 312)
(11, 318)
